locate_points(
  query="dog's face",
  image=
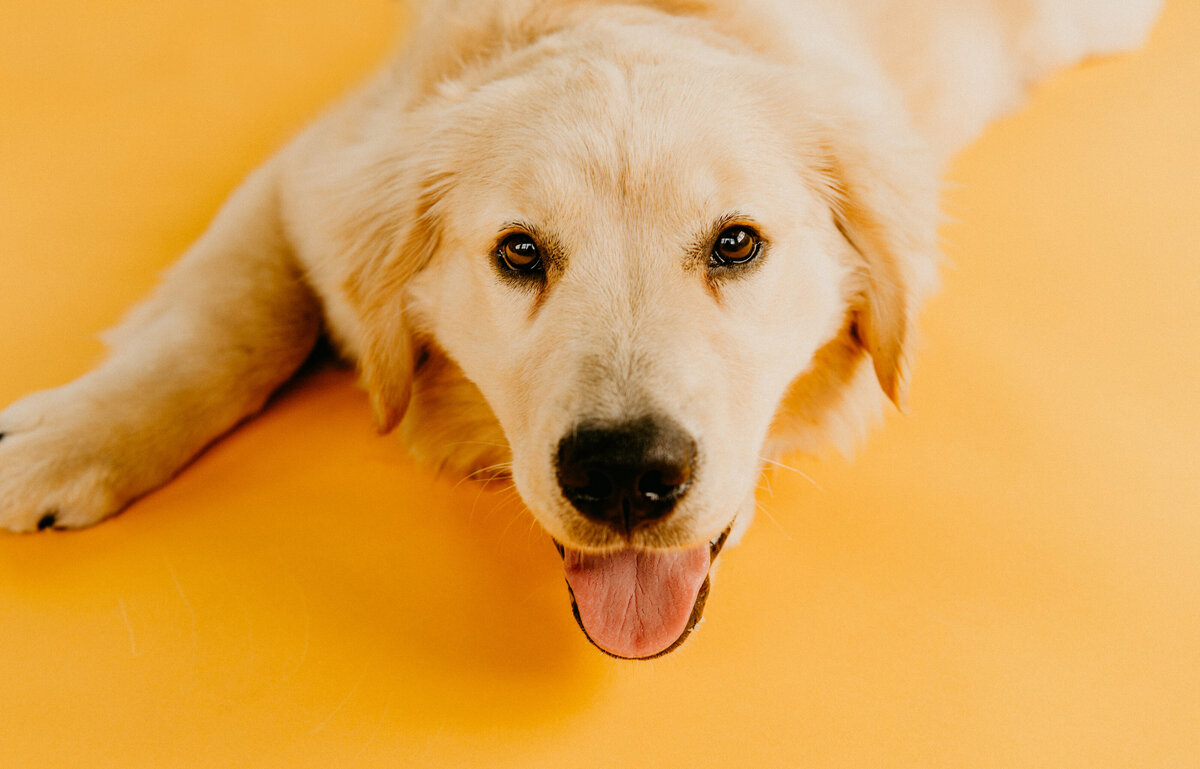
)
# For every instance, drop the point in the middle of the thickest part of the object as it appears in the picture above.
(614, 258)
(632, 264)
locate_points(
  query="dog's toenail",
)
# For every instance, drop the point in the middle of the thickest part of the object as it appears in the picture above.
(47, 520)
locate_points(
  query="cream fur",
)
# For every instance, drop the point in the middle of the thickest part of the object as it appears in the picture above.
(623, 130)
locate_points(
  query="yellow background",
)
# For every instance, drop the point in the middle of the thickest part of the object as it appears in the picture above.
(1007, 577)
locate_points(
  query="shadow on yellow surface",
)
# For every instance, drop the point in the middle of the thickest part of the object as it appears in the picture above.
(1008, 577)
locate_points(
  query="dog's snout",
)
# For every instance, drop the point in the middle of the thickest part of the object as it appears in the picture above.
(626, 474)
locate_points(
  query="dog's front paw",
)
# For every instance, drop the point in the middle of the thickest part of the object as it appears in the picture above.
(58, 467)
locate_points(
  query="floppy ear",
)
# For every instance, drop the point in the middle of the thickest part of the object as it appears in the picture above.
(888, 214)
(386, 361)
(880, 320)
(376, 290)
(377, 212)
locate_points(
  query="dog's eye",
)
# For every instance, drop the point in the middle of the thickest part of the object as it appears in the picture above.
(519, 253)
(736, 245)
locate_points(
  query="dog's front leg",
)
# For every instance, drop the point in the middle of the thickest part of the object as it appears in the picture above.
(231, 321)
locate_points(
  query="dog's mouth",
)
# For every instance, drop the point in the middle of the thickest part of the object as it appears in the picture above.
(639, 604)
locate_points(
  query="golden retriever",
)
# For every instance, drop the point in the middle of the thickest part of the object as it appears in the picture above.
(627, 249)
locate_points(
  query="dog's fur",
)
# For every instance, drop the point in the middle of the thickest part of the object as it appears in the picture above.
(621, 134)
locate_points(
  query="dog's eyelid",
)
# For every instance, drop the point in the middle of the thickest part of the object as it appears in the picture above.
(710, 234)
(516, 226)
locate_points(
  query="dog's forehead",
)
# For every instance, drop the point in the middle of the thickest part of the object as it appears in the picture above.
(601, 147)
(646, 131)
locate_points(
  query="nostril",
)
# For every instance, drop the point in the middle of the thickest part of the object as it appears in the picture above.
(596, 486)
(657, 485)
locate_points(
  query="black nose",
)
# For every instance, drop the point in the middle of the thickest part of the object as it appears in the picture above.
(626, 474)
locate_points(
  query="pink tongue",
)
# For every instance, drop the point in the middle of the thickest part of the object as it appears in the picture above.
(636, 603)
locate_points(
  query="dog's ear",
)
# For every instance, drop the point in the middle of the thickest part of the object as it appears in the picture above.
(880, 315)
(381, 209)
(386, 360)
(887, 212)
(376, 289)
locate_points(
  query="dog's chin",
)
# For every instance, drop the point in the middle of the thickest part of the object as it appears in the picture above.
(639, 603)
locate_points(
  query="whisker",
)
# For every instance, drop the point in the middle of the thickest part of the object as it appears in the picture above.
(795, 470)
(502, 497)
(479, 443)
(505, 497)
(475, 502)
(775, 521)
(513, 518)
(764, 479)
(498, 470)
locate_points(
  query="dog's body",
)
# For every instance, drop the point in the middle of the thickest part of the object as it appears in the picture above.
(627, 249)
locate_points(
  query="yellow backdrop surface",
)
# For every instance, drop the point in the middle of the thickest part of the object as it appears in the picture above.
(1007, 577)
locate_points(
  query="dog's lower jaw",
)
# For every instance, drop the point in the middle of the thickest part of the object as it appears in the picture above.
(635, 650)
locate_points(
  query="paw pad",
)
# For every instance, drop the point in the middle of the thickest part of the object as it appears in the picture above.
(47, 520)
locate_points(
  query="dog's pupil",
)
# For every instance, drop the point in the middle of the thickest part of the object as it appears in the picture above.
(520, 251)
(736, 244)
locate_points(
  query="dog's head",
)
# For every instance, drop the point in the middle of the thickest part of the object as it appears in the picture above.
(653, 256)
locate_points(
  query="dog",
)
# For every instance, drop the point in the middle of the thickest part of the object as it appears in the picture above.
(625, 250)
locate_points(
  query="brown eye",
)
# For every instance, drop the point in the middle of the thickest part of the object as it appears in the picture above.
(736, 245)
(520, 254)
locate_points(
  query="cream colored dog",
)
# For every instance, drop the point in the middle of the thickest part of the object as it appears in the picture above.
(635, 249)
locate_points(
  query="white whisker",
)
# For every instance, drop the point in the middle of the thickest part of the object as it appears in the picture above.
(775, 521)
(764, 479)
(480, 443)
(795, 470)
(498, 470)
